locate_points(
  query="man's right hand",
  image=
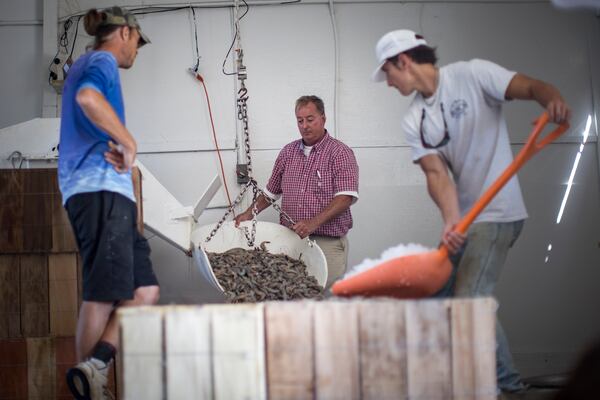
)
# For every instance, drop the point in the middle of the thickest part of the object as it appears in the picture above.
(453, 240)
(120, 157)
(245, 216)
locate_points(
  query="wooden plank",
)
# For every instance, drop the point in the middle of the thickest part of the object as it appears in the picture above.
(238, 352)
(10, 304)
(79, 281)
(289, 347)
(37, 210)
(428, 349)
(141, 343)
(13, 369)
(11, 211)
(62, 270)
(336, 350)
(41, 368)
(188, 353)
(34, 296)
(473, 348)
(383, 358)
(63, 239)
(65, 359)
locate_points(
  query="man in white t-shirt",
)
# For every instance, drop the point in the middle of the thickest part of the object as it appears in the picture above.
(455, 122)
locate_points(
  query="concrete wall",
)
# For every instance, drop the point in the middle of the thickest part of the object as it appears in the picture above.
(548, 307)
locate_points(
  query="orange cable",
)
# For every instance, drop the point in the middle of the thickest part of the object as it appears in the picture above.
(199, 77)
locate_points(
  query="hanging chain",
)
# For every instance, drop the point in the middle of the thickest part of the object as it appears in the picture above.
(242, 115)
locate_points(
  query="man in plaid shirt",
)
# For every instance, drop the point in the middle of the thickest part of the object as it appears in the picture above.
(317, 179)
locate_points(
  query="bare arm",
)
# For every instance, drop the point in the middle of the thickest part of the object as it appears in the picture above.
(443, 192)
(525, 88)
(101, 113)
(338, 205)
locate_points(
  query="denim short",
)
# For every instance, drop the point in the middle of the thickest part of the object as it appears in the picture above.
(116, 257)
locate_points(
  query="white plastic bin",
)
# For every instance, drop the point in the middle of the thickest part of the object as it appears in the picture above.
(281, 240)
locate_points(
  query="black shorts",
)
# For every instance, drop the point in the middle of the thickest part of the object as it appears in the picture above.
(116, 258)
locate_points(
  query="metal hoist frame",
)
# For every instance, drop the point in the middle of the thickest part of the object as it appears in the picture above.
(244, 172)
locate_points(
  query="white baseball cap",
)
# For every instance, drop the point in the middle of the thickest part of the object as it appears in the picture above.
(392, 44)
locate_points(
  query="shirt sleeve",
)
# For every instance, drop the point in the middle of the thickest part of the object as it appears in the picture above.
(492, 78)
(410, 126)
(345, 171)
(274, 184)
(100, 74)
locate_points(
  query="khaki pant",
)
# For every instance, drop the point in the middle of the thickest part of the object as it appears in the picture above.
(336, 253)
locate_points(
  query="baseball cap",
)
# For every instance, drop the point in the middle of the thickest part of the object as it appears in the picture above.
(117, 16)
(392, 44)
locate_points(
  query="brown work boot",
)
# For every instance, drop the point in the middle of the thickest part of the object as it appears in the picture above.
(87, 381)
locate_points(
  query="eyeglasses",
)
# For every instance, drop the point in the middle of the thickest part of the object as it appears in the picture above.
(446, 138)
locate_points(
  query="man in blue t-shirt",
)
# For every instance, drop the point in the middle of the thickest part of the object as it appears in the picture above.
(94, 172)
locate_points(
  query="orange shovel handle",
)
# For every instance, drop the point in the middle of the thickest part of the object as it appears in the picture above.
(531, 147)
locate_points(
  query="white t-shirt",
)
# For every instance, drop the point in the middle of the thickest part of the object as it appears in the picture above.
(478, 151)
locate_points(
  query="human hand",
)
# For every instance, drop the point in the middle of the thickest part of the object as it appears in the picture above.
(452, 239)
(245, 216)
(304, 228)
(558, 111)
(120, 157)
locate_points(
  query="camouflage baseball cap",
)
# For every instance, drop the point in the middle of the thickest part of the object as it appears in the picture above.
(118, 16)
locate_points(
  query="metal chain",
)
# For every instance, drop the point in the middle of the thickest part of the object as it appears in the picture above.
(237, 200)
(242, 105)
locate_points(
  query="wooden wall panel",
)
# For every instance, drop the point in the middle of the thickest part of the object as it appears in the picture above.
(34, 296)
(289, 334)
(11, 211)
(13, 369)
(63, 239)
(62, 276)
(383, 357)
(10, 309)
(37, 204)
(41, 368)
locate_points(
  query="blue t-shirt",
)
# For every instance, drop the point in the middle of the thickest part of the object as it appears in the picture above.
(81, 164)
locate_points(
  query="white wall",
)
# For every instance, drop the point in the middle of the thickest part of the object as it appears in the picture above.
(548, 308)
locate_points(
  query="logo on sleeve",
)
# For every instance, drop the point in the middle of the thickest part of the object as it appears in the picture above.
(458, 108)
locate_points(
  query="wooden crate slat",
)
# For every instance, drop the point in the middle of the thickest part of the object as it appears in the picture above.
(11, 211)
(13, 369)
(62, 269)
(38, 191)
(336, 350)
(10, 317)
(188, 353)
(41, 370)
(383, 358)
(141, 343)
(428, 348)
(473, 349)
(290, 353)
(34, 296)
(238, 352)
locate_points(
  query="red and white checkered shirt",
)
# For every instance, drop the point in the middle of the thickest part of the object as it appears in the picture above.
(308, 184)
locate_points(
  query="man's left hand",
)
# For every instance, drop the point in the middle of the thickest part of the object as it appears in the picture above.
(304, 228)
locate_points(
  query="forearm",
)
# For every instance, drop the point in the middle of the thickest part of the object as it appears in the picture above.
(261, 203)
(338, 205)
(101, 113)
(443, 192)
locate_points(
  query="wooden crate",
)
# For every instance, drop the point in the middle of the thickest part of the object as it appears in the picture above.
(335, 349)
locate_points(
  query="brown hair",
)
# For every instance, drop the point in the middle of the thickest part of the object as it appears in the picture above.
(304, 100)
(93, 24)
(420, 55)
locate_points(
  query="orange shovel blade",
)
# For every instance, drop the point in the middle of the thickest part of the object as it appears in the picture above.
(412, 276)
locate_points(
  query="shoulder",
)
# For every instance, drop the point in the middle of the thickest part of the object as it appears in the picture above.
(289, 148)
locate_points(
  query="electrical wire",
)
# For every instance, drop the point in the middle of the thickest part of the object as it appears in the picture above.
(212, 124)
(196, 40)
(233, 41)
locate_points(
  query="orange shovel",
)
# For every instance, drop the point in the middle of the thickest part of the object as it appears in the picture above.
(423, 274)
